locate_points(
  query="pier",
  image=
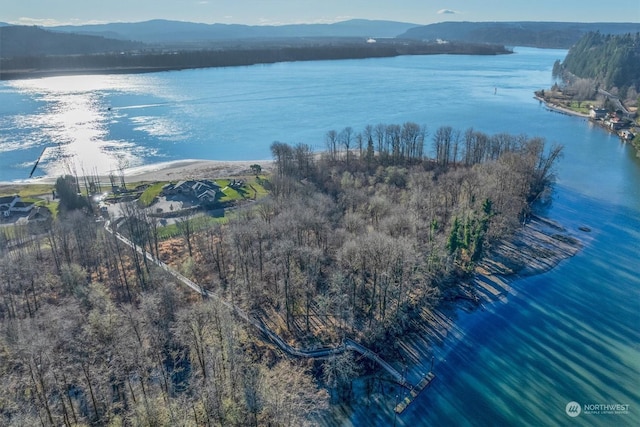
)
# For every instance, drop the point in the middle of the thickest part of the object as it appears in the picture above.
(414, 392)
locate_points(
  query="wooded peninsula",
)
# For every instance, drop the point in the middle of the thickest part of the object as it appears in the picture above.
(23, 54)
(359, 242)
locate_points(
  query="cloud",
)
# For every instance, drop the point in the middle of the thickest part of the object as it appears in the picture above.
(340, 18)
(45, 22)
(447, 12)
(38, 21)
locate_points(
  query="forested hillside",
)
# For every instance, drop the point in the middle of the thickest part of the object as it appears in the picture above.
(22, 41)
(167, 32)
(609, 60)
(359, 242)
(537, 34)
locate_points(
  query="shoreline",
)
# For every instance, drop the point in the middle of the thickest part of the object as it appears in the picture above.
(560, 109)
(170, 171)
(349, 48)
(535, 249)
(538, 247)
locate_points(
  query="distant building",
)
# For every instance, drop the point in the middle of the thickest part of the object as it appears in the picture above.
(13, 204)
(7, 203)
(22, 207)
(615, 124)
(40, 214)
(598, 113)
(205, 191)
(626, 134)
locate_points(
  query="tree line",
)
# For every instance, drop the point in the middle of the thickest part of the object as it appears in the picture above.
(368, 236)
(610, 62)
(153, 60)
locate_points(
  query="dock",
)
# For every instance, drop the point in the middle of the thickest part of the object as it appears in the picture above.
(414, 392)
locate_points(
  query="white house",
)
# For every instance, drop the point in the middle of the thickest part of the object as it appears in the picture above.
(11, 204)
(597, 113)
(7, 204)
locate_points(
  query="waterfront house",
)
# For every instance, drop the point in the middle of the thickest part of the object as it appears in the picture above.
(615, 123)
(626, 135)
(40, 214)
(13, 204)
(201, 190)
(22, 207)
(597, 113)
(7, 203)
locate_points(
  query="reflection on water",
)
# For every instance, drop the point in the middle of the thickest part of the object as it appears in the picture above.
(236, 113)
(67, 122)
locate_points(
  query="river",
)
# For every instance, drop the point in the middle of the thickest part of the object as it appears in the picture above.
(569, 335)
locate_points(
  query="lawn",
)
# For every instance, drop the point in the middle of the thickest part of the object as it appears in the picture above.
(252, 189)
(198, 223)
(25, 190)
(581, 107)
(149, 195)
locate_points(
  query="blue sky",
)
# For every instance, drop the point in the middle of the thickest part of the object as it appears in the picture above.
(276, 12)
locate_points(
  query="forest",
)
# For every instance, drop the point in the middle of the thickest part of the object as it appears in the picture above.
(610, 62)
(541, 34)
(354, 242)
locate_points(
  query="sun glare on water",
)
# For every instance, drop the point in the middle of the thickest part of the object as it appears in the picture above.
(72, 126)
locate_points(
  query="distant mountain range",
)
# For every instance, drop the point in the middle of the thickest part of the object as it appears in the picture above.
(16, 41)
(20, 41)
(169, 32)
(536, 34)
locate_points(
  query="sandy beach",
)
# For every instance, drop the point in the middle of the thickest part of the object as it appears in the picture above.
(195, 169)
(172, 171)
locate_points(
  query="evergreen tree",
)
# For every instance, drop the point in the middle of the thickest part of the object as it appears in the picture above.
(610, 60)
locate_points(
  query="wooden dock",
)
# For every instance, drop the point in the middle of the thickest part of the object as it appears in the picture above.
(414, 392)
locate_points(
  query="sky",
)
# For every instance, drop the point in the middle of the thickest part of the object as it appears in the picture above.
(278, 12)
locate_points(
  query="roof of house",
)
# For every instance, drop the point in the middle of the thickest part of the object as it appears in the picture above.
(7, 200)
(40, 213)
(208, 194)
(196, 185)
(22, 204)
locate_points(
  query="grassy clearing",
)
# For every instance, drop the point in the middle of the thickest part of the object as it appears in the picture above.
(230, 195)
(53, 207)
(26, 190)
(149, 195)
(198, 223)
(252, 189)
(256, 187)
(581, 107)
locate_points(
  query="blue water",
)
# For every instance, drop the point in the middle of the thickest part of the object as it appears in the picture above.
(106, 122)
(572, 334)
